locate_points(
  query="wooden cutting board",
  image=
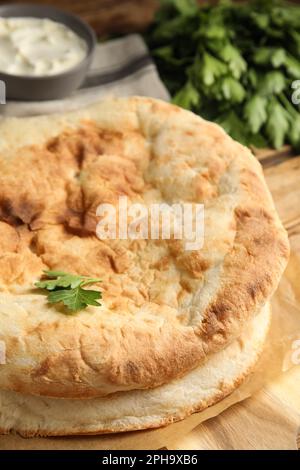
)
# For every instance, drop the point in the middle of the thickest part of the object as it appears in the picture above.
(270, 419)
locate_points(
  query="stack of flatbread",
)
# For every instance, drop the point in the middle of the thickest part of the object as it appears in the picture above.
(178, 329)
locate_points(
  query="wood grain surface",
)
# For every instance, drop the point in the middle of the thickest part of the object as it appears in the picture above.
(270, 420)
(106, 16)
(259, 423)
(109, 16)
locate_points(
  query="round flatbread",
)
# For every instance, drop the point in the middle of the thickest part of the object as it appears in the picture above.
(165, 309)
(140, 409)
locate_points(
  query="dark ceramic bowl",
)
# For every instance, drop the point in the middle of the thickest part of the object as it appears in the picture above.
(54, 86)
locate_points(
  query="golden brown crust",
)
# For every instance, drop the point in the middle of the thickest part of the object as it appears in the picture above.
(165, 309)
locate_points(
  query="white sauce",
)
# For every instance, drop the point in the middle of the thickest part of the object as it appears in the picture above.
(38, 47)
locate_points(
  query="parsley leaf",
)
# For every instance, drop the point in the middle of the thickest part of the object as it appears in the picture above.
(272, 83)
(234, 126)
(277, 123)
(270, 55)
(278, 57)
(166, 53)
(255, 112)
(68, 289)
(75, 299)
(261, 20)
(292, 66)
(187, 97)
(186, 7)
(232, 90)
(232, 56)
(211, 68)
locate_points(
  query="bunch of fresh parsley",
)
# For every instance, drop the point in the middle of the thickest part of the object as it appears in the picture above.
(69, 289)
(233, 64)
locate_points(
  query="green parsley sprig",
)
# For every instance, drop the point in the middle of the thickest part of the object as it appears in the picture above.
(233, 63)
(69, 289)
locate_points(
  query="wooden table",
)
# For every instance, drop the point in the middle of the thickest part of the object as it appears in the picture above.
(106, 16)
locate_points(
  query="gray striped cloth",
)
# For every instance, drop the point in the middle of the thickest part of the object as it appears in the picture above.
(121, 67)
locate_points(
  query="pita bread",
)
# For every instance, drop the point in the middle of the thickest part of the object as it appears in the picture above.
(165, 310)
(139, 409)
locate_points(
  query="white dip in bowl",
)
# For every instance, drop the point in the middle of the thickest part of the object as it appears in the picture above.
(38, 47)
